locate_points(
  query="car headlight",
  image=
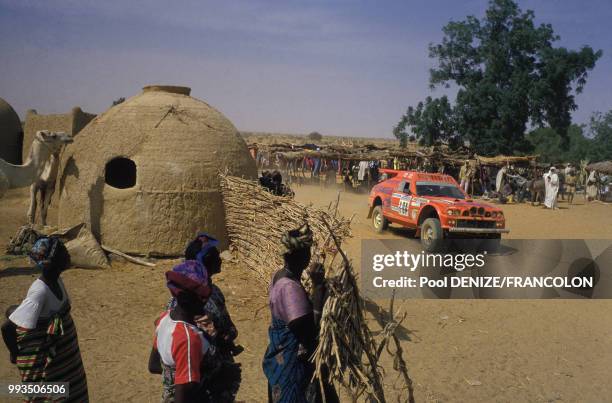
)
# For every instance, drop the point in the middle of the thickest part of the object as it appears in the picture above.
(452, 212)
(494, 214)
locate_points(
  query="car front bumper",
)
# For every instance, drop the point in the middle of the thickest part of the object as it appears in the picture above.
(479, 230)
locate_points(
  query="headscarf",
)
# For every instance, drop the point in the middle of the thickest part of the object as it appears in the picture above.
(43, 250)
(190, 276)
(297, 239)
(208, 242)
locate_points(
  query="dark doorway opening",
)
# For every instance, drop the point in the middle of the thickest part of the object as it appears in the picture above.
(120, 173)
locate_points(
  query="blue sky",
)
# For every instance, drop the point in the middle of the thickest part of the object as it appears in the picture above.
(338, 67)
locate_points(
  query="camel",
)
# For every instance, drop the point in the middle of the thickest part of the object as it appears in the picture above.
(45, 185)
(45, 144)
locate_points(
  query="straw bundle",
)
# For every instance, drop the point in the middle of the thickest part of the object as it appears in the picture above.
(347, 352)
(256, 219)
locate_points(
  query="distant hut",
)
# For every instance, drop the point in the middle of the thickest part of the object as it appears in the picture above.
(602, 167)
(11, 134)
(144, 174)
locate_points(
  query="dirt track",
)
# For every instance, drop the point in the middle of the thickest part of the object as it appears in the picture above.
(457, 350)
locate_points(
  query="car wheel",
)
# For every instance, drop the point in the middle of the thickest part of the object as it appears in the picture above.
(379, 222)
(432, 237)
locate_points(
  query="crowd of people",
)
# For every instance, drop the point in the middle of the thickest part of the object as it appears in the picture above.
(193, 343)
(549, 186)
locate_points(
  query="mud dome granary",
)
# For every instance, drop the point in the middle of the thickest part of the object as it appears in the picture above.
(11, 134)
(144, 174)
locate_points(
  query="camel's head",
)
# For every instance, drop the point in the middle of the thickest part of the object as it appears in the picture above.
(54, 140)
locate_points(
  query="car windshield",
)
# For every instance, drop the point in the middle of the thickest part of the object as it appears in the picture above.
(439, 190)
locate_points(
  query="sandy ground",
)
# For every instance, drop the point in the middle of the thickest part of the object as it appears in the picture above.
(457, 350)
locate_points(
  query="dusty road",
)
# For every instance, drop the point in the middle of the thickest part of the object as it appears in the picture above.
(457, 350)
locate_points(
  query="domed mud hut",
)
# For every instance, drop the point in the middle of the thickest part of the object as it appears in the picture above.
(11, 134)
(144, 174)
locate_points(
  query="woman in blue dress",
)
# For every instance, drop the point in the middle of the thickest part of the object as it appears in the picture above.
(294, 329)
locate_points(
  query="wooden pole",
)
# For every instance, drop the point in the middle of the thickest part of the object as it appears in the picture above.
(127, 257)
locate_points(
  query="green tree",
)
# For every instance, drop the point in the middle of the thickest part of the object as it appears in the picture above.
(552, 96)
(601, 131)
(508, 73)
(546, 143)
(430, 122)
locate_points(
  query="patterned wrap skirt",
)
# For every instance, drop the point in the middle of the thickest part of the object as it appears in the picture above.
(288, 375)
(50, 353)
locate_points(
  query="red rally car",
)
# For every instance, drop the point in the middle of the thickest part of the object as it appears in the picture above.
(433, 205)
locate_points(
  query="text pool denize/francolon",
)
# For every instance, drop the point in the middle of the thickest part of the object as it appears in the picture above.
(485, 282)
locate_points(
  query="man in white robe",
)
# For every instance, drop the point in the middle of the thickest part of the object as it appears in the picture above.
(551, 181)
(500, 179)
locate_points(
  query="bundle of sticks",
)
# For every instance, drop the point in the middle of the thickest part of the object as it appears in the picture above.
(256, 219)
(347, 353)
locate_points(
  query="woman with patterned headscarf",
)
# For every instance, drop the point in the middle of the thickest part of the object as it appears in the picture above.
(39, 333)
(223, 374)
(294, 329)
(179, 346)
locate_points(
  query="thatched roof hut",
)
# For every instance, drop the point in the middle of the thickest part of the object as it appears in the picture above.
(602, 166)
(144, 174)
(11, 134)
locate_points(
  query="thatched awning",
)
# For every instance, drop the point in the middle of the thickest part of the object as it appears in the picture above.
(602, 166)
(505, 159)
(333, 155)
